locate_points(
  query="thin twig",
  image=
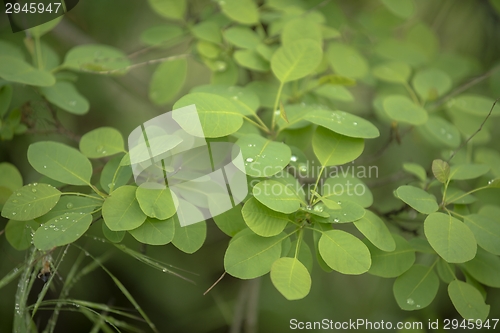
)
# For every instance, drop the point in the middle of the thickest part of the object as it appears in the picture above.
(140, 64)
(473, 134)
(215, 283)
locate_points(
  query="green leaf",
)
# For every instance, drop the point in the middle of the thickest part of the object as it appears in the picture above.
(277, 196)
(349, 211)
(161, 34)
(114, 175)
(417, 199)
(342, 187)
(291, 278)
(251, 59)
(167, 81)
(401, 8)
(5, 98)
(102, 142)
(304, 255)
(485, 268)
(60, 162)
(441, 170)
(64, 95)
(19, 233)
(334, 93)
(61, 230)
(251, 256)
(231, 222)
(190, 238)
(374, 228)
(156, 200)
(218, 116)
(450, 238)
(154, 232)
(402, 109)
(296, 60)
(334, 149)
(96, 58)
(10, 177)
(19, 71)
(416, 288)
(490, 157)
(30, 202)
(241, 11)
(262, 220)
(71, 204)
(295, 114)
(394, 263)
(431, 83)
(458, 197)
(299, 29)
(11, 50)
(468, 301)
(475, 105)
(242, 37)
(415, 169)
(344, 123)
(207, 31)
(440, 131)
(121, 211)
(244, 97)
(486, 231)
(171, 9)
(112, 236)
(344, 253)
(395, 71)
(346, 61)
(445, 271)
(263, 158)
(468, 171)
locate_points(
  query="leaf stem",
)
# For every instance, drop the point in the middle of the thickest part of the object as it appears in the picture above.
(82, 195)
(316, 184)
(38, 51)
(276, 103)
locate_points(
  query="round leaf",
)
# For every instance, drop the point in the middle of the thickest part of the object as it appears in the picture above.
(19, 234)
(262, 220)
(218, 116)
(10, 177)
(475, 105)
(241, 11)
(251, 256)
(243, 37)
(252, 60)
(155, 232)
(343, 123)
(344, 253)
(167, 81)
(31, 201)
(102, 142)
(416, 288)
(486, 231)
(298, 29)
(348, 212)
(346, 61)
(431, 83)
(334, 149)
(71, 204)
(296, 60)
(171, 9)
(161, 34)
(468, 171)
(394, 263)
(276, 196)
(190, 238)
(402, 109)
(396, 72)
(96, 58)
(19, 71)
(468, 301)
(341, 186)
(156, 201)
(263, 158)
(417, 199)
(242, 96)
(416, 169)
(64, 95)
(441, 131)
(121, 211)
(61, 230)
(450, 238)
(485, 268)
(291, 278)
(114, 175)
(373, 228)
(60, 162)
(231, 222)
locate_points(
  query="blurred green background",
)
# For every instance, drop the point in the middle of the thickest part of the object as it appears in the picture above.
(468, 27)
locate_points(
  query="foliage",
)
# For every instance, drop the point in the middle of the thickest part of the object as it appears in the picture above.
(285, 85)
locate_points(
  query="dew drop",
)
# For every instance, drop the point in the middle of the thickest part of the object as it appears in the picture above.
(410, 301)
(13, 213)
(302, 168)
(355, 123)
(33, 190)
(18, 194)
(338, 202)
(164, 270)
(336, 220)
(235, 97)
(45, 167)
(318, 208)
(99, 149)
(293, 158)
(69, 205)
(14, 201)
(249, 160)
